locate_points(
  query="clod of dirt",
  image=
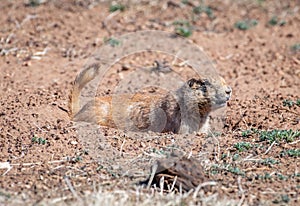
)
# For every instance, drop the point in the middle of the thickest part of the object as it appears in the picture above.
(177, 172)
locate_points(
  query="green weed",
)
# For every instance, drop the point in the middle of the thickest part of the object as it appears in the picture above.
(204, 9)
(246, 133)
(282, 199)
(288, 103)
(116, 7)
(182, 23)
(278, 135)
(281, 177)
(269, 161)
(235, 157)
(291, 153)
(245, 24)
(266, 176)
(236, 170)
(38, 140)
(77, 158)
(183, 28)
(270, 136)
(295, 47)
(34, 3)
(6, 195)
(275, 21)
(226, 167)
(224, 156)
(112, 42)
(183, 31)
(242, 146)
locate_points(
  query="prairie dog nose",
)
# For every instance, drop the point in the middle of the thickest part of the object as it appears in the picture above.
(228, 91)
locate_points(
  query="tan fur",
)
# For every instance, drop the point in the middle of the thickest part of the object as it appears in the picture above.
(183, 111)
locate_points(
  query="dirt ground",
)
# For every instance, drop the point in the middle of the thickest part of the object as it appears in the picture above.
(43, 46)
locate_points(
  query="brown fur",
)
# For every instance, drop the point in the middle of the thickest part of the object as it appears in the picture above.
(183, 111)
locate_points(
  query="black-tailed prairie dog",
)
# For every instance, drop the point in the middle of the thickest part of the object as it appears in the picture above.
(184, 111)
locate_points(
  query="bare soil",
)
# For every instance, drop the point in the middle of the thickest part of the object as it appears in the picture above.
(44, 46)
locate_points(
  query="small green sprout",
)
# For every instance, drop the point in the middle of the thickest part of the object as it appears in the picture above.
(246, 133)
(116, 7)
(281, 177)
(235, 157)
(242, 146)
(224, 156)
(183, 28)
(278, 135)
(291, 153)
(112, 41)
(245, 24)
(34, 3)
(283, 199)
(288, 103)
(203, 9)
(273, 21)
(38, 140)
(183, 31)
(268, 161)
(296, 47)
(236, 170)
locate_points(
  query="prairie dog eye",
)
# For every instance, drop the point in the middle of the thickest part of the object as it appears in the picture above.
(205, 82)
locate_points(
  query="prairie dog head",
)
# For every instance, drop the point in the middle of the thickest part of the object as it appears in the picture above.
(213, 93)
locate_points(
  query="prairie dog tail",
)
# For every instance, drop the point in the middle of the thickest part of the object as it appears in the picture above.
(85, 76)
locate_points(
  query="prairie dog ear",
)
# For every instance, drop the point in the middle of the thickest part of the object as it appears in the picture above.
(193, 83)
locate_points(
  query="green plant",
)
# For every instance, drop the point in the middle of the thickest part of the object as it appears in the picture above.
(116, 7)
(246, 133)
(182, 23)
(281, 177)
(183, 31)
(6, 195)
(269, 161)
(265, 176)
(203, 9)
(34, 3)
(235, 157)
(288, 103)
(298, 102)
(245, 24)
(283, 198)
(112, 41)
(183, 28)
(278, 135)
(77, 159)
(226, 167)
(295, 47)
(242, 146)
(236, 170)
(273, 21)
(291, 153)
(38, 140)
(224, 156)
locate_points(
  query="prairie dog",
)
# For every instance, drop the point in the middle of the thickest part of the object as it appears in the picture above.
(184, 111)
